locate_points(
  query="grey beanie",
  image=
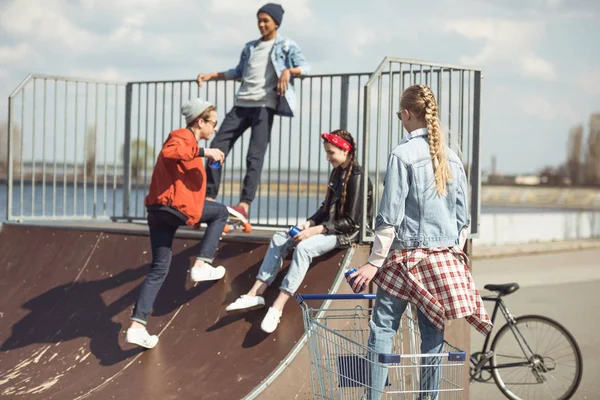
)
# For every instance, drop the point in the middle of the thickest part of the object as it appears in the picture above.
(193, 108)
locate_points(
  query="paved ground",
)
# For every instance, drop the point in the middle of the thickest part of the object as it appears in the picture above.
(486, 251)
(560, 285)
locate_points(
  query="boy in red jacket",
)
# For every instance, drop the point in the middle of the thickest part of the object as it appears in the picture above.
(176, 198)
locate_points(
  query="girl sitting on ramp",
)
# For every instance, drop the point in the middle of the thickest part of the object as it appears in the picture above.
(336, 223)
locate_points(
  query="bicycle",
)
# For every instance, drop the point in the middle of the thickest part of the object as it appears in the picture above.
(541, 360)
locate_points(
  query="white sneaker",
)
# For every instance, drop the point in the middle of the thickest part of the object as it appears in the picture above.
(207, 273)
(141, 337)
(246, 303)
(271, 320)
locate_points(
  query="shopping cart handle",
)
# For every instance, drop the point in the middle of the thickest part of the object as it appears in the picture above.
(457, 356)
(301, 298)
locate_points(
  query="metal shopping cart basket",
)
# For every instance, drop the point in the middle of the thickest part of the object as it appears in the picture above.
(343, 367)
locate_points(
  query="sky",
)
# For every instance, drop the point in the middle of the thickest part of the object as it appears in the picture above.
(540, 58)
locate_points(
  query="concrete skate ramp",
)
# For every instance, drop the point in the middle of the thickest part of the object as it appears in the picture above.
(65, 300)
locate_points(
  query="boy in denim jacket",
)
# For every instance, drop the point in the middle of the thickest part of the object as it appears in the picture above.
(266, 68)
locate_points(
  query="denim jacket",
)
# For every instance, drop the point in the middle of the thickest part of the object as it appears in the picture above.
(285, 54)
(410, 203)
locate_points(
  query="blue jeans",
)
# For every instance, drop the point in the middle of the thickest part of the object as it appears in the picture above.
(163, 226)
(384, 324)
(260, 119)
(280, 246)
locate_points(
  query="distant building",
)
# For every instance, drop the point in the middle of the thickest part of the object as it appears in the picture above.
(528, 180)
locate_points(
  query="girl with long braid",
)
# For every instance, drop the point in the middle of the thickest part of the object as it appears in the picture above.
(336, 223)
(417, 253)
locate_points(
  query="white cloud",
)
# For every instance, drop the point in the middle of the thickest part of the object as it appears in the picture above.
(536, 67)
(360, 36)
(294, 10)
(574, 14)
(43, 22)
(543, 107)
(132, 7)
(588, 80)
(129, 30)
(235, 7)
(19, 54)
(505, 43)
(104, 74)
(20, 17)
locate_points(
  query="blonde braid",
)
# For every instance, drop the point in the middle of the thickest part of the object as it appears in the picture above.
(437, 149)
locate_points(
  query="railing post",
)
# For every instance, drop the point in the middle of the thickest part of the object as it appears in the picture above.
(365, 162)
(475, 167)
(9, 163)
(344, 101)
(127, 151)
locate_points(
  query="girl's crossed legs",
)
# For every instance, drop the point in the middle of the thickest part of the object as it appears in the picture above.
(280, 246)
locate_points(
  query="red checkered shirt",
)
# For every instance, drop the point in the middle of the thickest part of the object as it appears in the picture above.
(438, 282)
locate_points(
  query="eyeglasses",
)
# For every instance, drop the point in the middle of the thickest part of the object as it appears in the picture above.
(399, 114)
(212, 121)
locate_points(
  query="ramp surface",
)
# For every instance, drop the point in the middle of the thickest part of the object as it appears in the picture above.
(65, 300)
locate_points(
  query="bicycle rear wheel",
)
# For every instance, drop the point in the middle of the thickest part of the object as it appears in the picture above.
(545, 365)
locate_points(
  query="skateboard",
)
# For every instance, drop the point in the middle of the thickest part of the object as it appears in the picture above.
(235, 224)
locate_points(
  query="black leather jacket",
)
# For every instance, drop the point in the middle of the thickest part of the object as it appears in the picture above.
(345, 226)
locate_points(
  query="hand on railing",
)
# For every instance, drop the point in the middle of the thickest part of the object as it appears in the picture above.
(284, 82)
(205, 77)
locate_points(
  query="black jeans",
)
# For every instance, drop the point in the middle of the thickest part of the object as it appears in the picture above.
(163, 226)
(260, 119)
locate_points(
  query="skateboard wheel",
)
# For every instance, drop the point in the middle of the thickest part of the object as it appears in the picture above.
(247, 228)
(226, 229)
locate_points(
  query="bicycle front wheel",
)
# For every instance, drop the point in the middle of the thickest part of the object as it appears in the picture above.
(536, 358)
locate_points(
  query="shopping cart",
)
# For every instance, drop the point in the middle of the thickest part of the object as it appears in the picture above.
(342, 366)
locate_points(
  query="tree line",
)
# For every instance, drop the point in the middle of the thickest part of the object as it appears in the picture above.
(142, 155)
(582, 165)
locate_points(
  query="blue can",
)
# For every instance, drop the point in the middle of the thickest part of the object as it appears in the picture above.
(350, 272)
(215, 164)
(294, 230)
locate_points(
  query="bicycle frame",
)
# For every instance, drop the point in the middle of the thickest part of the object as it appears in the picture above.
(499, 305)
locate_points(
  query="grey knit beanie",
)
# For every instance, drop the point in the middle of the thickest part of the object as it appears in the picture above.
(192, 109)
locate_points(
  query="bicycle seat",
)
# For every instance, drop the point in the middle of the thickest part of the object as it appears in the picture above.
(503, 289)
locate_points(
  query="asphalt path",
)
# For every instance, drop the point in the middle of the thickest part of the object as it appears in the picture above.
(563, 286)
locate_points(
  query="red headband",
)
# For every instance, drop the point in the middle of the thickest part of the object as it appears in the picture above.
(337, 141)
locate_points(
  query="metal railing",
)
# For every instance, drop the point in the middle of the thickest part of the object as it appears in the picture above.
(81, 149)
(295, 170)
(62, 157)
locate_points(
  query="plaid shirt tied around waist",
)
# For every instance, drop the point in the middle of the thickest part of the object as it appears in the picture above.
(438, 282)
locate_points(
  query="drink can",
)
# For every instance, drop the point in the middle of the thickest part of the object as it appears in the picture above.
(294, 230)
(350, 272)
